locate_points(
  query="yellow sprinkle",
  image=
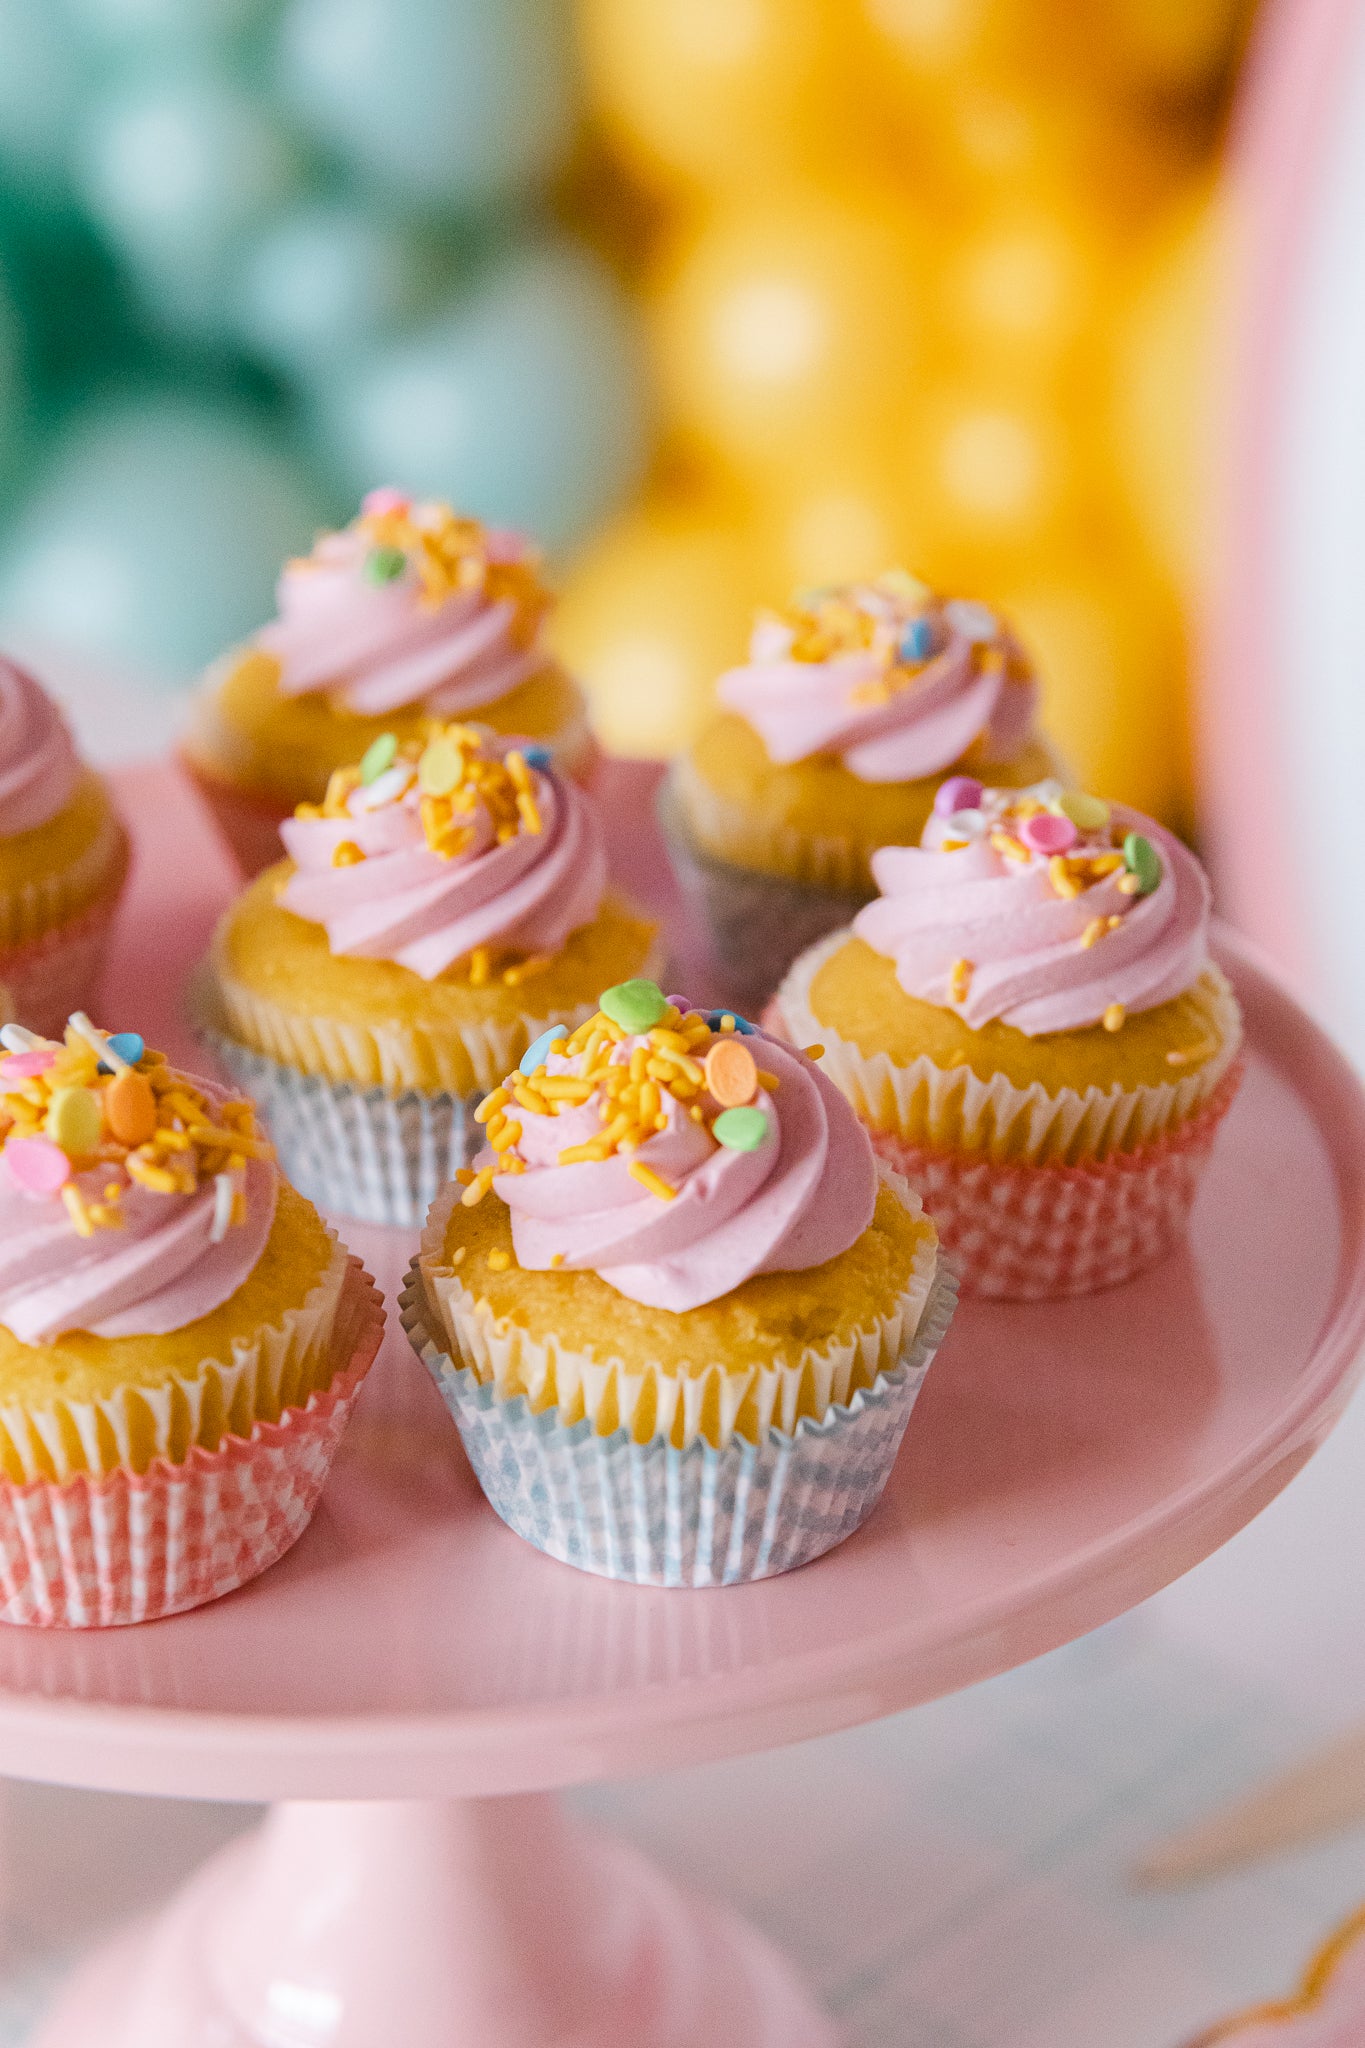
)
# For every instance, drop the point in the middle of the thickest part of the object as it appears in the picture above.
(813, 1052)
(1096, 929)
(1061, 877)
(508, 1135)
(697, 1113)
(960, 980)
(556, 1258)
(346, 854)
(464, 1175)
(769, 1081)
(77, 1211)
(491, 1104)
(209, 1134)
(527, 812)
(479, 967)
(498, 1262)
(457, 1257)
(522, 970)
(1102, 864)
(478, 1188)
(727, 1022)
(1129, 885)
(1010, 848)
(589, 1154)
(648, 1178)
(1113, 1017)
(149, 1176)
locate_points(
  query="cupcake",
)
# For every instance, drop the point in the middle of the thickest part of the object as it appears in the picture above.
(1326, 2011)
(444, 907)
(63, 859)
(181, 1337)
(830, 742)
(677, 1310)
(408, 613)
(1029, 1022)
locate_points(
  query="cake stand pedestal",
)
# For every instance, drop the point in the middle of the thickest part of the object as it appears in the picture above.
(413, 1682)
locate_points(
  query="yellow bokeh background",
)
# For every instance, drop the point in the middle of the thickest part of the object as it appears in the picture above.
(923, 281)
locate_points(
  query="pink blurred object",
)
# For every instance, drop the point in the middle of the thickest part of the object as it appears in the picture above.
(1065, 1462)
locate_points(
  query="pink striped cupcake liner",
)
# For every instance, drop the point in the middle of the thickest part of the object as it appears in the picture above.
(104, 1552)
(1021, 1232)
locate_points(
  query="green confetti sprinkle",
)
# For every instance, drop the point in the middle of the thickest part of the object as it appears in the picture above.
(385, 565)
(1141, 858)
(741, 1130)
(634, 1005)
(379, 756)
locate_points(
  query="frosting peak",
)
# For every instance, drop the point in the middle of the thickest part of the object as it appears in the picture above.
(1049, 910)
(133, 1199)
(897, 681)
(38, 763)
(409, 604)
(471, 846)
(673, 1157)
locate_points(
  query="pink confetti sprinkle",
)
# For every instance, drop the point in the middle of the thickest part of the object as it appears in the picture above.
(37, 1165)
(1047, 833)
(22, 1066)
(958, 793)
(387, 498)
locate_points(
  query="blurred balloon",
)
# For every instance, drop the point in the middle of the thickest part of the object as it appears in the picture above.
(440, 100)
(156, 533)
(12, 420)
(524, 402)
(1164, 385)
(788, 328)
(719, 91)
(843, 523)
(158, 22)
(1021, 286)
(933, 43)
(1109, 644)
(329, 280)
(178, 165)
(660, 604)
(40, 78)
(1176, 49)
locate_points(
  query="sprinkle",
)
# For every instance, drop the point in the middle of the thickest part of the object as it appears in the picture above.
(537, 1053)
(104, 1047)
(224, 1200)
(37, 1165)
(441, 768)
(917, 641)
(648, 1178)
(1087, 813)
(465, 1174)
(25, 1066)
(1059, 874)
(1182, 1056)
(75, 1121)
(740, 1130)
(960, 980)
(1095, 930)
(958, 793)
(1113, 1018)
(378, 757)
(458, 1256)
(635, 1005)
(130, 1108)
(1142, 859)
(18, 1038)
(480, 967)
(385, 565)
(1009, 847)
(813, 1052)
(477, 1188)
(537, 757)
(1048, 834)
(77, 1211)
(556, 1259)
(731, 1073)
(346, 854)
(499, 1261)
(1128, 885)
(973, 621)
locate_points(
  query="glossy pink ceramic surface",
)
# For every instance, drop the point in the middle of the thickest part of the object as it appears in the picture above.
(1064, 1462)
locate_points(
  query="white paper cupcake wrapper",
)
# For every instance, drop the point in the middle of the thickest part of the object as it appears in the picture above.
(660, 1516)
(994, 1118)
(357, 1151)
(757, 923)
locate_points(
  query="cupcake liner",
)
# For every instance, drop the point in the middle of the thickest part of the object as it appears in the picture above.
(52, 903)
(757, 923)
(361, 1152)
(951, 1109)
(680, 1407)
(659, 1516)
(127, 1547)
(51, 976)
(129, 1428)
(1024, 1232)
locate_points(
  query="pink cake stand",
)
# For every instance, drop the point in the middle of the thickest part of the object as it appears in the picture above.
(413, 1683)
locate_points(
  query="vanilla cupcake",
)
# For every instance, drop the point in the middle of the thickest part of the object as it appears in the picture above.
(1030, 1024)
(444, 907)
(410, 613)
(677, 1311)
(830, 742)
(63, 859)
(181, 1337)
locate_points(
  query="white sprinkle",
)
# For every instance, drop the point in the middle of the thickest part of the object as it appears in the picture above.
(17, 1038)
(1048, 791)
(973, 621)
(224, 1195)
(96, 1039)
(967, 824)
(385, 789)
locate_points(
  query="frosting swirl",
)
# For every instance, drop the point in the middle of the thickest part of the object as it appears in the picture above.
(709, 1193)
(408, 605)
(1010, 910)
(121, 1238)
(896, 681)
(39, 767)
(470, 846)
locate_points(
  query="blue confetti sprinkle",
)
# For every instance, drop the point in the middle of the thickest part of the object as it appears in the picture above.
(537, 757)
(128, 1045)
(536, 1054)
(742, 1024)
(917, 641)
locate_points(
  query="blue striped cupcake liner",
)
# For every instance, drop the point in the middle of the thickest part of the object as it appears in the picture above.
(658, 1516)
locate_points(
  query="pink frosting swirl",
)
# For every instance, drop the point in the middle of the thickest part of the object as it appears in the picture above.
(1034, 958)
(408, 605)
(159, 1271)
(39, 767)
(896, 682)
(804, 1195)
(405, 902)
